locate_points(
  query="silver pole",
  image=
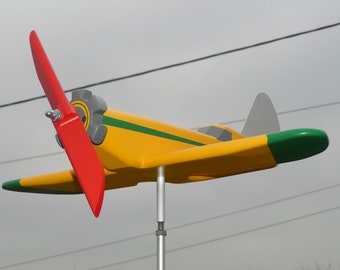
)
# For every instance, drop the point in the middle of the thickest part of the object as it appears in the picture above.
(161, 232)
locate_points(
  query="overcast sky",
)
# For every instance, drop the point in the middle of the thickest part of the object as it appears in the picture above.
(283, 218)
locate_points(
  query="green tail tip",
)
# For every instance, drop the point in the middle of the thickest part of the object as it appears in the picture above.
(297, 144)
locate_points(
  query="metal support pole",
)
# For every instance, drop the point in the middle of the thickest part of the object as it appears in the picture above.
(161, 232)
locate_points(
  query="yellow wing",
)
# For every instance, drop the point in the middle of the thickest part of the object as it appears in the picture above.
(196, 163)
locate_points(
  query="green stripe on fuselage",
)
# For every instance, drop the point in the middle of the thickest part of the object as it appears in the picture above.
(138, 128)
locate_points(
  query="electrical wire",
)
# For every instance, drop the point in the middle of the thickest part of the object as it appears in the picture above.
(142, 73)
(330, 187)
(32, 157)
(313, 107)
(222, 237)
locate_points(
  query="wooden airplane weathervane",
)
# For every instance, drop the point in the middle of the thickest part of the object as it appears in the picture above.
(110, 149)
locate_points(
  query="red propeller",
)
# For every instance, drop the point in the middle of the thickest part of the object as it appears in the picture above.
(73, 136)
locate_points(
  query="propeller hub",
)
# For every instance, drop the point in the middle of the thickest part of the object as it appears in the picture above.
(90, 109)
(54, 115)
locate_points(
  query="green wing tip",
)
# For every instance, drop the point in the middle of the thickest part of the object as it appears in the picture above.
(297, 144)
(13, 185)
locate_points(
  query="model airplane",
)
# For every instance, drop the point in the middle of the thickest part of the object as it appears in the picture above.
(110, 149)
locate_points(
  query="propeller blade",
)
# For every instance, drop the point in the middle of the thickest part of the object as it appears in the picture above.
(84, 160)
(71, 132)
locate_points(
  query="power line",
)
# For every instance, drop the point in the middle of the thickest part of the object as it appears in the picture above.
(223, 237)
(289, 111)
(142, 73)
(224, 123)
(31, 157)
(195, 223)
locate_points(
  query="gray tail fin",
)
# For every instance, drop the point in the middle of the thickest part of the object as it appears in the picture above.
(262, 118)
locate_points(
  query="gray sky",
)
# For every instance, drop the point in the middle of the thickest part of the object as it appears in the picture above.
(91, 41)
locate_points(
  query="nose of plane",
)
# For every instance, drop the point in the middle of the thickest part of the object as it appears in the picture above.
(297, 144)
